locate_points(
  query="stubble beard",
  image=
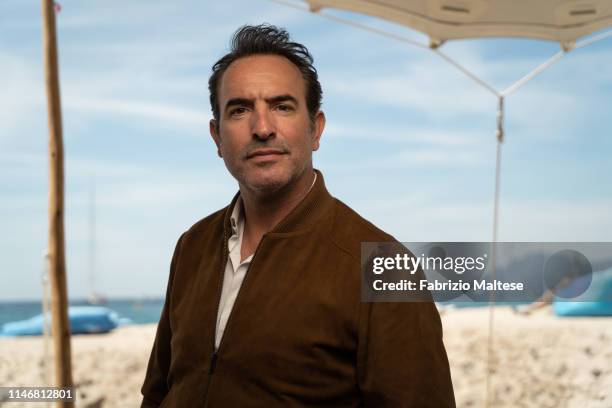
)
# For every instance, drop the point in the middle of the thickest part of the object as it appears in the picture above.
(270, 188)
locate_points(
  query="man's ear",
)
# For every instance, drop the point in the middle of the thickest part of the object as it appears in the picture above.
(213, 132)
(317, 131)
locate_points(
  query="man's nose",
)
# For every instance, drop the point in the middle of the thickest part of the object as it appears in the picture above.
(263, 124)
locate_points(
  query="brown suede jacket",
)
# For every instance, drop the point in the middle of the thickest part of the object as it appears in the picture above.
(298, 335)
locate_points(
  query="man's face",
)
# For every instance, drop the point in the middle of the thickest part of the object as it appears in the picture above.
(265, 135)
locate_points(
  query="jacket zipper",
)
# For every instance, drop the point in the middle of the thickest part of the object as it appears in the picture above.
(215, 353)
(213, 356)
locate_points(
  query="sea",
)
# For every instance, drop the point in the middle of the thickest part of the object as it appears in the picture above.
(145, 311)
(139, 311)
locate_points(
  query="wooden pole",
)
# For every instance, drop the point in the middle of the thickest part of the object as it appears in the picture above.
(60, 326)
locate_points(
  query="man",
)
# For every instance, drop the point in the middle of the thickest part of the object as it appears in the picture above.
(263, 301)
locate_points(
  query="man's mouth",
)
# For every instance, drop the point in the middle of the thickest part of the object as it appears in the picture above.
(265, 153)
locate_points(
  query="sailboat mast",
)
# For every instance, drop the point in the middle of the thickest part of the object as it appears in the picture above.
(92, 240)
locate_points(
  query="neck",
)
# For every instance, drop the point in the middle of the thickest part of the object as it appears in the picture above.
(263, 213)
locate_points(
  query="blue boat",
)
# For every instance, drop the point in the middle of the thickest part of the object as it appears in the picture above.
(83, 320)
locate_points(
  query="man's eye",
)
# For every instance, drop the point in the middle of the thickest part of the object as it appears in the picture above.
(284, 107)
(237, 111)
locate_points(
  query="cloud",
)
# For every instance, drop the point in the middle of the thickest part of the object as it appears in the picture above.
(22, 93)
(539, 220)
(139, 215)
(155, 112)
(432, 158)
(95, 15)
(424, 88)
(406, 134)
(397, 147)
(431, 90)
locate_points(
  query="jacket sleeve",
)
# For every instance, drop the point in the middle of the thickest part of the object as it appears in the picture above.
(155, 387)
(401, 357)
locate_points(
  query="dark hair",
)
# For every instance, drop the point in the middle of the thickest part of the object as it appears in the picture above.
(268, 39)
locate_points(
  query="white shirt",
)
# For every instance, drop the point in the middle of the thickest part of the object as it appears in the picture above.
(234, 269)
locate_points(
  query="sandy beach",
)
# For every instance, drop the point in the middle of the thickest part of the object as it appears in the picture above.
(539, 361)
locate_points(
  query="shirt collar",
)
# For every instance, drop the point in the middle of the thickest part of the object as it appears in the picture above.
(237, 216)
(315, 206)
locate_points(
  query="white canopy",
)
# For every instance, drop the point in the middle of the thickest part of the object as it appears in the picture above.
(563, 21)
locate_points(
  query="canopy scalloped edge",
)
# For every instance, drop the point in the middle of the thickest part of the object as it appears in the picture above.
(563, 21)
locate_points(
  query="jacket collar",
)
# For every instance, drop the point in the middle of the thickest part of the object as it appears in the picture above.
(315, 206)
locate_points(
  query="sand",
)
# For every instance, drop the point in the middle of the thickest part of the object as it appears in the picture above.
(107, 369)
(540, 361)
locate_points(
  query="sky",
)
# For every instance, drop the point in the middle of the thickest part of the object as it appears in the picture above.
(409, 142)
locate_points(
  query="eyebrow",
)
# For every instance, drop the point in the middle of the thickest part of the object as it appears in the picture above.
(249, 102)
(282, 98)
